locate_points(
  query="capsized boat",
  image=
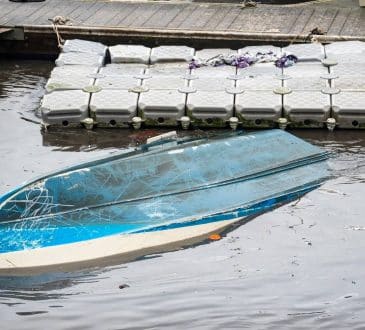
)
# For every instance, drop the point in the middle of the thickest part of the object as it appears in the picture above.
(166, 192)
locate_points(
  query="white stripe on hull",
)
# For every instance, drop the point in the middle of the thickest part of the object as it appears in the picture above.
(104, 251)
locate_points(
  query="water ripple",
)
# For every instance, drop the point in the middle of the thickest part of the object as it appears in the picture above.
(297, 267)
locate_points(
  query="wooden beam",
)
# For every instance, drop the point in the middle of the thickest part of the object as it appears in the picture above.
(5, 30)
(166, 34)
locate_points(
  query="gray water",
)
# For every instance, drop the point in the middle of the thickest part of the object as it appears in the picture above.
(300, 266)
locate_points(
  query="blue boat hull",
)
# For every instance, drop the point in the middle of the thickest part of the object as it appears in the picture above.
(161, 188)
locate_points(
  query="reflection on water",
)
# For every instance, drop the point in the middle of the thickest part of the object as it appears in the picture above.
(84, 140)
(46, 286)
(22, 85)
(297, 267)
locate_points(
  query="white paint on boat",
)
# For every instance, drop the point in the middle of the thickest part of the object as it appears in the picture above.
(101, 251)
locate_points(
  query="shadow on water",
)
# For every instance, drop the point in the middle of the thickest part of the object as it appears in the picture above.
(347, 148)
(84, 140)
(341, 138)
(46, 286)
(321, 275)
(336, 142)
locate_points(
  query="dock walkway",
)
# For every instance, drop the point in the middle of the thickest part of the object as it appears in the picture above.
(184, 22)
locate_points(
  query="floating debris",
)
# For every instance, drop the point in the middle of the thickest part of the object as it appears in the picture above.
(215, 237)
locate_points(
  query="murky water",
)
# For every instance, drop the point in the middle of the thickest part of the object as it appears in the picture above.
(298, 267)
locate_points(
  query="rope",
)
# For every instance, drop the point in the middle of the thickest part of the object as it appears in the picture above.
(56, 21)
(312, 35)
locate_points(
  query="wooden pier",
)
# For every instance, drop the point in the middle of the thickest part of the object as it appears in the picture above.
(175, 22)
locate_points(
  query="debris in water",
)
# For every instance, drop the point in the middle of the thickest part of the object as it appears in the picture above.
(356, 228)
(215, 237)
(305, 313)
(30, 120)
(31, 313)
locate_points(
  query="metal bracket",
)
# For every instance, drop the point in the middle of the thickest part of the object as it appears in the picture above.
(190, 76)
(142, 76)
(328, 62)
(330, 91)
(187, 90)
(234, 90)
(96, 75)
(282, 77)
(329, 76)
(282, 90)
(92, 89)
(138, 89)
(236, 77)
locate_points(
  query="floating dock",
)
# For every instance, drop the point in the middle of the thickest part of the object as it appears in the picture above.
(156, 87)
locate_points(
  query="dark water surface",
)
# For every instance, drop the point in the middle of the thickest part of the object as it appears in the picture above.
(301, 266)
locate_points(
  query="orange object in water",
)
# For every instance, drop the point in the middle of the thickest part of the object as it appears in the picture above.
(215, 237)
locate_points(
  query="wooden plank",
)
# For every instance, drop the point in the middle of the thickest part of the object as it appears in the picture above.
(302, 20)
(354, 24)
(145, 15)
(128, 9)
(8, 7)
(115, 12)
(189, 16)
(86, 14)
(21, 11)
(273, 20)
(213, 22)
(24, 15)
(282, 21)
(245, 19)
(85, 7)
(255, 22)
(329, 18)
(189, 22)
(181, 9)
(28, 16)
(19, 16)
(5, 30)
(322, 19)
(126, 20)
(296, 19)
(263, 19)
(339, 21)
(182, 16)
(63, 11)
(54, 8)
(102, 16)
(207, 15)
(361, 31)
(34, 16)
(228, 19)
(162, 17)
